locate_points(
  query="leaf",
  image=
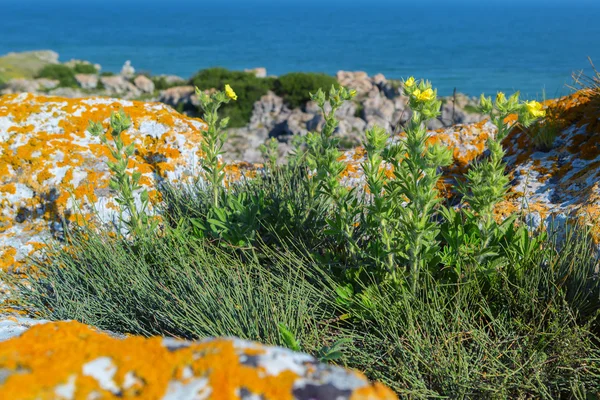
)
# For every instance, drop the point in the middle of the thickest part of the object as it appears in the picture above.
(288, 338)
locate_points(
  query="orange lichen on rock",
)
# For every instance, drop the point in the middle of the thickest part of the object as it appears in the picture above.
(49, 162)
(70, 360)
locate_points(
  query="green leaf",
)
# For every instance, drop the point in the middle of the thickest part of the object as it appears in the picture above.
(289, 340)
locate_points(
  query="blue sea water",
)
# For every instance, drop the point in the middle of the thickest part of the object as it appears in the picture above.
(473, 46)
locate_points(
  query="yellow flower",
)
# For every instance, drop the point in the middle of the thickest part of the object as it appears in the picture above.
(500, 98)
(424, 95)
(410, 82)
(535, 109)
(352, 93)
(230, 93)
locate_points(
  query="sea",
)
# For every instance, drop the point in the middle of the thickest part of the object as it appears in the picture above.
(473, 47)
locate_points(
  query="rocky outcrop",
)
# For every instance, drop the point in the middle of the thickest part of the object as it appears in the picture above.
(119, 86)
(87, 81)
(180, 97)
(50, 165)
(69, 360)
(378, 102)
(144, 83)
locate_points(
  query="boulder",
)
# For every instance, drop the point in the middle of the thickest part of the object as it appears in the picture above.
(87, 81)
(69, 360)
(144, 83)
(179, 96)
(49, 162)
(118, 85)
(46, 84)
(20, 85)
(358, 81)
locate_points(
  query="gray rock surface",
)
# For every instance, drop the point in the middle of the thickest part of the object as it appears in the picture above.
(87, 81)
(144, 83)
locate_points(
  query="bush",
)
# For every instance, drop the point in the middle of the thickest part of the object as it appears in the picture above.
(84, 68)
(525, 338)
(432, 300)
(161, 83)
(296, 86)
(59, 72)
(248, 87)
(107, 73)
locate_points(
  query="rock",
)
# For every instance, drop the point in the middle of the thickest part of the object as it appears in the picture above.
(259, 72)
(144, 83)
(378, 110)
(46, 151)
(20, 85)
(70, 93)
(87, 81)
(179, 96)
(118, 85)
(127, 71)
(358, 81)
(77, 361)
(46, 84)
(266, 111)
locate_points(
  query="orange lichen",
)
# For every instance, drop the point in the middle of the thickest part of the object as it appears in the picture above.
(52, 354)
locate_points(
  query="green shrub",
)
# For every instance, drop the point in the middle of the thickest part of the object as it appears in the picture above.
(248, 87)
(84, 68)
(107, 73)
(295, 87)
(523, 338)
(432, 300)
(161, 83)
(59, 72)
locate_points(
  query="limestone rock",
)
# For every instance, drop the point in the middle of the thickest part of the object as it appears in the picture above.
(358, 81)
(87, 81)
(46, 84)
(118, 85)
(127, 71)
(46, 151)
(95, 364)
(144, 83)
(179, 96)
(20, 85)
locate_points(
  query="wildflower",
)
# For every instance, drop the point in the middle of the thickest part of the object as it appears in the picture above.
(230, 93)
(352, 93)
(500, 98)
(534, 109)
(425, 95)
(410, 82)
